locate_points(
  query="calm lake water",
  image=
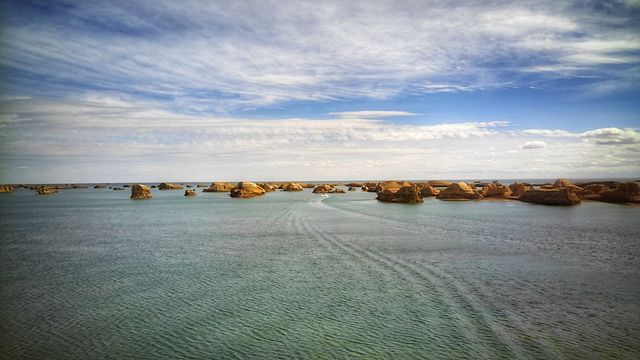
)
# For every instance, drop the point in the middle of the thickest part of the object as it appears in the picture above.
(91, 274)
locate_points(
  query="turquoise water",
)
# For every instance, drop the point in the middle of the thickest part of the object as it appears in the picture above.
(91, 274)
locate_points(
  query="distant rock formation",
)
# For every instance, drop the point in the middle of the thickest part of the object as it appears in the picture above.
(564, 183)
(308, 186)
(426, 190)
(519, 188)
(322, 189)
(370, 187)
(354, 185)
(126, 185)
(459, 191)
(219, 187)
(592, 191)
(118, 188)
(246, 190)
(169, 186)
(267, 187)
(495, 190)
(339, 191)
(399, 192)
(440, 183)
(352, 188)
(562, 196)
(100, 186)
(46, 190)
(624, 193)
(190, 192)
(292, 187)
(140, 192)
(6, 188)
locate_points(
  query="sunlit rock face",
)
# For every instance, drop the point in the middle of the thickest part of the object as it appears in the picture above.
(399, 192)
(246, 189)
(140, 192)
(563, 196)
(459, 191)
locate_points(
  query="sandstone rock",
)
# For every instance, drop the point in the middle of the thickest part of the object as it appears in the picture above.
(564, 183)
(292, 187)
(352, 188)
(354, 185)
(519, 188)
(399, 192)
(308, 186)
(562, 196)
(100, 186)
(625, 193)
(495, 190)
(370, 187)
(339, 191)
(118, 188)
(592, 191)
(459, 191)
(169, 186)
(440, 183)
(427, 190)
(6, 188)
(246, 190)
(190, 192)
(140, 192)
(219, 187)
(46, 190)
(267, 187)
(127, 185)
(322, 189)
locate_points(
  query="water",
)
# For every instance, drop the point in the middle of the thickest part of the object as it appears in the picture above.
(91, 274)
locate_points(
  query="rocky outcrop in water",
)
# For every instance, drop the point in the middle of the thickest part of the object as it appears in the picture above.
(440, 183)
(46, 190)
(459, 191)
(399, 192)
(268, 187)
(101, 186)
(190, 192)
(6, 188)
(246, 189)
(169, 186)
(624, 193)
(563, 196)
(565, 184)
(495, 190)
(370, 187)
(323, 189)
(292, 187)
(351, 188)
(219, 187)
(426, 190)
(519, 188)
(118, 188)
(140, 192)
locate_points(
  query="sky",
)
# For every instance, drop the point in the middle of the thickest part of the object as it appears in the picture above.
(123, 91)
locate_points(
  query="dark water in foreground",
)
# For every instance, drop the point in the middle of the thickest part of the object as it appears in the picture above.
(92, 274)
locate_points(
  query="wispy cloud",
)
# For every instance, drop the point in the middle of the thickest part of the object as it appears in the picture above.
(216, 57)
(110, 140)
(372, 114)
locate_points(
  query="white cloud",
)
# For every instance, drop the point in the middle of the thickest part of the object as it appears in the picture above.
(549, 133)
(373, 114)
(112, 140)
(612, 136)
(529, 145)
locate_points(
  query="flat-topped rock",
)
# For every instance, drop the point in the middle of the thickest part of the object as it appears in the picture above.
(459, 191)
(169, 186)
(292, 187)
(495, 190)
(440, 183)
(399, 192)
(6, 188)
(140, 192)
(190, 192)
(267, 187)
(562, 196)
(219, 187)
(625, 193)
(322, 189)
(246, 189)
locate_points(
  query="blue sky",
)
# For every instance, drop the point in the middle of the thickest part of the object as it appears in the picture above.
(233, 90)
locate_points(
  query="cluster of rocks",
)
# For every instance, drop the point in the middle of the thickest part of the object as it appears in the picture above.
(327, 189)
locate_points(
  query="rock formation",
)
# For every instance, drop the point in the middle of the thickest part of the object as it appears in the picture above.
(625, 193)
(102, 186)
(267, 187)
(322, 189)
(459, 191)
(190, 192)
(399, 192)
(563, 196)
(292, 187)
(46, 190)
(246, 190)
(427, 190)
(519, 188)
(354, 185)
(370, 187)
(440, 183)
(564, 183)
(169, 186)
(219, 187)
(6, 188)
(352, 188)
(118, 188)
(495, 190)
(339, 191)
(139, 192)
